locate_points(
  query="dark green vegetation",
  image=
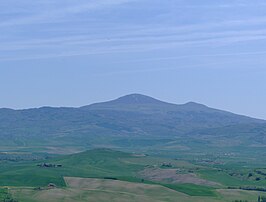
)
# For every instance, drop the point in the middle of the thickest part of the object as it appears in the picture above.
(192, 190)
(5, 196)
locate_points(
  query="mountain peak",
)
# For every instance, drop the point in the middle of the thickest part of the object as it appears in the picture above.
(195, 104)
(130, 102)
(136, 99)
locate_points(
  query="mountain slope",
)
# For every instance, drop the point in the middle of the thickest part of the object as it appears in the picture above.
(190, 113)
(133, 115)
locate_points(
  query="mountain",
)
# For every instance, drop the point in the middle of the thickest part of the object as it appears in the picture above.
(135, 99)
(190, 113)
(129, 116)
(132, 102)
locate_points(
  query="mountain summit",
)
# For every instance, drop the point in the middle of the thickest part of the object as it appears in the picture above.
(144, 103)
(136, 99)
(131, 102)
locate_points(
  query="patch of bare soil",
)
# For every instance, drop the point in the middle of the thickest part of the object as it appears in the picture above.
(171, 176)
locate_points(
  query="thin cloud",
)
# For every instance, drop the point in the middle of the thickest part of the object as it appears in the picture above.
(83, 45)
(193, 56)
(60, 12)
(163, 69)
(122, 38)
(135, 38)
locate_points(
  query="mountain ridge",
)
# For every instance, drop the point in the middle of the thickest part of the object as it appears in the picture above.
(131, 116)
(136, 98)
(133, 99)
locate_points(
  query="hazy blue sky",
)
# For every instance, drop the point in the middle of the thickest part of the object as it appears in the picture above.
(76, 52)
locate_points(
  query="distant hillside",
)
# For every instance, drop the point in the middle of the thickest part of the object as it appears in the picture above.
(129, 116)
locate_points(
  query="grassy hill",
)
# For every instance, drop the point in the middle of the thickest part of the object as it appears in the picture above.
(95, 163)
(100, 163)
(109, 164)
(103, 173)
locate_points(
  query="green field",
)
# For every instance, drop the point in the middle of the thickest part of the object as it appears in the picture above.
(188, 179)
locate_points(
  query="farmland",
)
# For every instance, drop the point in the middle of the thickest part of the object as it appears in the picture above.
(96, 175)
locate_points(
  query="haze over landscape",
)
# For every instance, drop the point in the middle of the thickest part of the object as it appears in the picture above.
(132, 100)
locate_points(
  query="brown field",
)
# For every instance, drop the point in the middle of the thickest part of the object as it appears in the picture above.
(102, 190)
(171, 176)
(99, 190)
